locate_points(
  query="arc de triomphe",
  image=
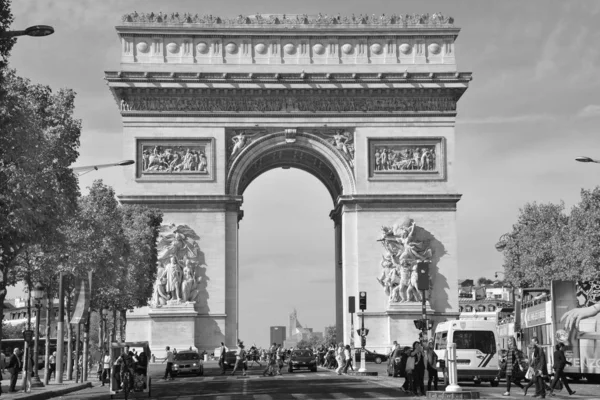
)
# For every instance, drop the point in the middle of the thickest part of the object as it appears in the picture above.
(367, 105)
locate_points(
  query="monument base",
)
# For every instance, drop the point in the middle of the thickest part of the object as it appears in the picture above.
(172, 325)
(440, 394)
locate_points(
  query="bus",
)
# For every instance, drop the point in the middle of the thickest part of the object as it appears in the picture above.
(538, 313)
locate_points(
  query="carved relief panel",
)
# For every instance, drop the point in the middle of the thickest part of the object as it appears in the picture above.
(175, 159)
(411, 159)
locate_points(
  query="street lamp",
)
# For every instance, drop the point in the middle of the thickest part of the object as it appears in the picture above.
(36, 30)
(586, 159)
(37, 293)
(89, 168)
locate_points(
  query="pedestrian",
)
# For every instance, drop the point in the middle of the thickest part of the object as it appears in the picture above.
(339, 357)
(270, 356)
(431, 364)
(540, 368)
(409, 381)
(419, 371)
(52, 362)
(105, 367)
(348, 358)
(223, 350)
(169, 360)
(240, 358)
(560, 362)
(14, 366)
(513, 366)
(280, 356)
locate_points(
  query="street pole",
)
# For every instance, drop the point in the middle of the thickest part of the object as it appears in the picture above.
(60, 330)
(77, 350)
(86, 335)
(424, 315)
(363, 366)
(352, 340)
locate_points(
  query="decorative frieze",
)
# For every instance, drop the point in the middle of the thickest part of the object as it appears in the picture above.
(288, 103)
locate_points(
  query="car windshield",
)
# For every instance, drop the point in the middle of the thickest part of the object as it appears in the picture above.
(187, 356)
(231, 353)
(302, 353)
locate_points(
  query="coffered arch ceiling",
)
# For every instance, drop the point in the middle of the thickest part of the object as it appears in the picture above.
(301, 150)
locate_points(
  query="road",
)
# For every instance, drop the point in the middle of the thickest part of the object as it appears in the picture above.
(324, 384)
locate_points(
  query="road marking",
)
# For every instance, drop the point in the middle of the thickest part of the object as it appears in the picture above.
(263, 397)
(300, 396)
(376, 395)
(223, 398)
(322, 375)
(339, 396)
(300, 375)
(244, 387)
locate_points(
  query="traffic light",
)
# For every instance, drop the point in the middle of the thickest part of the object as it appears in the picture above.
(418, 324)
(429, 324)
(363, 341)
(351, 307)
(362, 300)
(423, 276)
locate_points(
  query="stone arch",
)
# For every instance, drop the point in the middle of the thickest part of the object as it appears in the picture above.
(302, 150)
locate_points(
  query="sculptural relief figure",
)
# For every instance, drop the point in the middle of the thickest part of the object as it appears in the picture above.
(342, 140)
(178, 258)
(402, 254)
(173, 276)
(239, 142)
(402, 158)
(188, 282)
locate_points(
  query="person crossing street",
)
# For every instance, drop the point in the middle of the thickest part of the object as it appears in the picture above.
(169, 360)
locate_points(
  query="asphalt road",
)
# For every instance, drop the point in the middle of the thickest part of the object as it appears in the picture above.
(324, 384)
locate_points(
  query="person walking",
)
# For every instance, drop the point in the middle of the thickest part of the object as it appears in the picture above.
(560, 362)
(223, 350)
(240, 358)
(513, 366)
(409, 368)
(169, 360)
(14, 366)
(348, 358)
(540, 368)
(339, 357)
(105, 367)
(431, 365)
(52, 362)
(419, 372)
(280, 355)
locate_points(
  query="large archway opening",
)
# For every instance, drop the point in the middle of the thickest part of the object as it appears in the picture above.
(286, 255)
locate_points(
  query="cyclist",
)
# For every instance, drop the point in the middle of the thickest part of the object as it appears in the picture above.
(127, 363)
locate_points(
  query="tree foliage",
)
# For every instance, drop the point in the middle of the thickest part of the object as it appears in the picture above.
(546, 244)
(6, 44)
(39, 139)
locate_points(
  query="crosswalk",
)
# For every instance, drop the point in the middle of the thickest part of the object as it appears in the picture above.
(307, 396)
(252, 377)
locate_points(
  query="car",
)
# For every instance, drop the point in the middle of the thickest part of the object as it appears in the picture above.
(372, 356)
(229, 359)
(302, 359)
(188, 362)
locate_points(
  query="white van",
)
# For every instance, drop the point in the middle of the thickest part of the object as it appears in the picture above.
(476, 352)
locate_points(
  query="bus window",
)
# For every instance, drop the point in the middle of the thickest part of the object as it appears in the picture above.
(480, 340)
(441, 340)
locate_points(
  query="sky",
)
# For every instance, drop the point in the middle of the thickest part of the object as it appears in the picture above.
(532, 107)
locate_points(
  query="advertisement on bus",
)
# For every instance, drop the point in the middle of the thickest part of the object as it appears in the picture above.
(576, 309)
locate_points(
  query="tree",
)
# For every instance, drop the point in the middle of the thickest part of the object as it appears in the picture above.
(39, 139)
(140, 228)
(483, 281)
(546, 244)
(329, 336)
(13, 331)
(6, 44)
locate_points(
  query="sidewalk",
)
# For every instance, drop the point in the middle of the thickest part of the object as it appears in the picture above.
(46, 392)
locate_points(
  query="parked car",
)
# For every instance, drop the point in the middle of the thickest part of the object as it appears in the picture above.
(188, 362)
(302, 359)
(229, 360)
(372, 356)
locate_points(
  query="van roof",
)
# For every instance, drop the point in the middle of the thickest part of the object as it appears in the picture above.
(468, 324)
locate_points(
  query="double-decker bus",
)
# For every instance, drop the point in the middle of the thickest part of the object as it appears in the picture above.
(538, 313)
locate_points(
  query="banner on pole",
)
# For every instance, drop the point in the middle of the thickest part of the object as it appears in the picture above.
(82, 301)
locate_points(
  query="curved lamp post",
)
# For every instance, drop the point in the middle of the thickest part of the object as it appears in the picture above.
(37, 293)
(89, 168)
(36, 30)
(586, 159)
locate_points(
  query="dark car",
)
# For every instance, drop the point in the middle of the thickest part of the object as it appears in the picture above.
(302, 359)
(371, 356)
(188, 362)
(229, 360)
